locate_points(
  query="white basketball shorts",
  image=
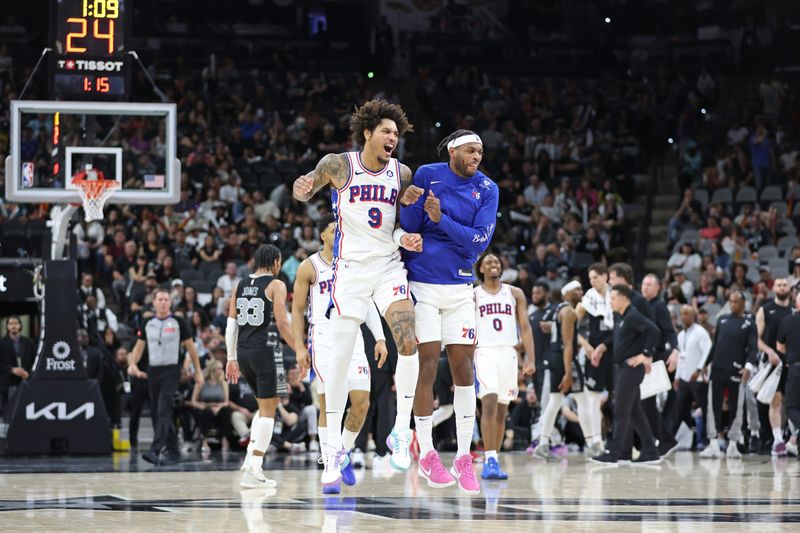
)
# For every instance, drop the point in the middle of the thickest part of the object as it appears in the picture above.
(496, 371)
(444, 313)
(320, 347)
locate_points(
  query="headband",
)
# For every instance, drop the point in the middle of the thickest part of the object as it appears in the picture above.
(571, 286)
(464, 139)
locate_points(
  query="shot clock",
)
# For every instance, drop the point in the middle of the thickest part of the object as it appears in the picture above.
(89, 40)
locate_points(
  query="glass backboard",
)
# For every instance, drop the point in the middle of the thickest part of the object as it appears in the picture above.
(132, 143)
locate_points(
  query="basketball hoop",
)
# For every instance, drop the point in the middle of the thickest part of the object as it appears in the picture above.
(94, 191)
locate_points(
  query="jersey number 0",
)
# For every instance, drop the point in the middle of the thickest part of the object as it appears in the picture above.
(249, 312)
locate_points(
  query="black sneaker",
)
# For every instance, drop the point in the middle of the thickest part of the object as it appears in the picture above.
(150, 457)
(625, 459)
(647, 458)
(169, 458)
(754, 445)
(666, 448)
(605, 459)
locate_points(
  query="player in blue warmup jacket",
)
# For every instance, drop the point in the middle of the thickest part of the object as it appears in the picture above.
(455, 213)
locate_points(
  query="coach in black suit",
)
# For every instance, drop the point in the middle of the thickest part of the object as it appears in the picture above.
(17, 354)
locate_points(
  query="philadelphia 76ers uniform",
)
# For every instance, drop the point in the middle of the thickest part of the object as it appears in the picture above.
(320, 343)
(495, 353)
(366, 261)
(441, 275)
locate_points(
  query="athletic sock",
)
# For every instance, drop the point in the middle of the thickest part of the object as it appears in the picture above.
(424, 425)
(263, 433)
(442, 414)
(348, 439)
(550, 415)
(323, 436)
(464, 403)
(405, 379)
(344, 330)
(491, 454)
(777, 434)
(252, 443)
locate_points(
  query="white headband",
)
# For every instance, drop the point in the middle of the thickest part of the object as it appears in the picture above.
(464, 139)
(571, 286)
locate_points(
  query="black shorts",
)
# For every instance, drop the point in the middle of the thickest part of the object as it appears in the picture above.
(264, 372)
(784, 375)
(599, 378)
(556, 367)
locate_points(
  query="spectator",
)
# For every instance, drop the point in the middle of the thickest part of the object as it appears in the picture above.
(536, 191)
(87, 288)
(91, 357)
(17, 354)
(211, 402)
(228, 281)
(210, 253)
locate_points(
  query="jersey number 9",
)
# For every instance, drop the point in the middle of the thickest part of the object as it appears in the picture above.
(375, 218)
(249, 312)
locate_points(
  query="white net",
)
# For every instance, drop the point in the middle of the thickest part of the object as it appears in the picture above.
(94, 195)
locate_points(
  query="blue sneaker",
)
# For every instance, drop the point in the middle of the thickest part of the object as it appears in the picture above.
(348, 474)
(333, 488)
(491, 470)
(499, 471)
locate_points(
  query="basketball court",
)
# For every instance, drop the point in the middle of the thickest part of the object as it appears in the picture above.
(682, 494)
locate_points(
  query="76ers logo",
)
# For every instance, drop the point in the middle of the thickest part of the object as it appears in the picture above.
(467, 333)
(399, 289)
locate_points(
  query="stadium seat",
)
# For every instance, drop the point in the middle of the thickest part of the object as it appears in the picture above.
(786, 243)
(690, 235)
(770, 194)
(746, 195)
(767, 252)
(779, 267)
(189, 276)
(780, 206)
(722, 196)
(183, 265)
(701, 195)
(581, 260)
(205, 287)
(796, 209)
(713, 312)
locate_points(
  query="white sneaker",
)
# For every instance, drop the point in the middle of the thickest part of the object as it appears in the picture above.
(712, 451)
(247, 457)
(791, 448)
(398, 442)
(253, 478)
(357, 458)
(313, 446)
(733, 451)
(333, 466)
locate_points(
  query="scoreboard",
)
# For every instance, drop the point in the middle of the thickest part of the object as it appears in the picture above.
(89, 38)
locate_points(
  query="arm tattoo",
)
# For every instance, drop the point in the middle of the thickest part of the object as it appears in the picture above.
(333, 169)
(402, 324)
(406, 178)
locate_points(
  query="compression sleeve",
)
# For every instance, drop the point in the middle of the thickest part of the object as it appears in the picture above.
(231, 338)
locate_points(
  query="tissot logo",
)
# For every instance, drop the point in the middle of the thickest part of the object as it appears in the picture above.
(91, 66)
(58, 411)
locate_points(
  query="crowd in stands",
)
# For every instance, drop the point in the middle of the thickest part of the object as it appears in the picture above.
(735, 226)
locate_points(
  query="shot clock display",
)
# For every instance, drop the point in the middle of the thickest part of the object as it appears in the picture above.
(89, 40)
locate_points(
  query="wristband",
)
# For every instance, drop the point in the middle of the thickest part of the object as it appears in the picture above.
(397, 236)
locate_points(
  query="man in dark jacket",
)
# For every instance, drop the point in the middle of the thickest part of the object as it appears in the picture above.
(17, 354)
(635, 341)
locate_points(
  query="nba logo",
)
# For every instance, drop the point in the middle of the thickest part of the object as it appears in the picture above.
(27, 175)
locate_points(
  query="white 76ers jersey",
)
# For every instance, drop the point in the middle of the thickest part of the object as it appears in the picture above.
(495, 317)
(319, 299)
(319, 293)
(365, 210)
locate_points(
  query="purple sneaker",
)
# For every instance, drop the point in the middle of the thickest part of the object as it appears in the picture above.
(779, 450)
(559, 450)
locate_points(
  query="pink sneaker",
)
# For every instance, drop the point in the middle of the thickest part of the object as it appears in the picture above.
(432, 469)
(463, 472)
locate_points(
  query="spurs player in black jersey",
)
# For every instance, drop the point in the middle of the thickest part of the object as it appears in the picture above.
(768, 320)
(258, 306)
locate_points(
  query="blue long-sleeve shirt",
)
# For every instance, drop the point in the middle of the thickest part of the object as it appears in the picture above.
(451, 247)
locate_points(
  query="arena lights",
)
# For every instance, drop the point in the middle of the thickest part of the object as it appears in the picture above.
(703, 111)
(438, 124)
(370, 74)
(670, 140)
(607, 20)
